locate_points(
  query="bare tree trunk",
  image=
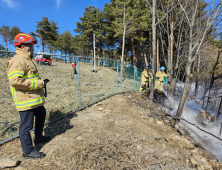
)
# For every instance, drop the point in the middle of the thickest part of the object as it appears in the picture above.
(150, 48)
(205, 92)
(141, 63)
(99, 53)
(99, 49)
(176, 71)
(171, 40)
(43, 45)
(169, 64)
(185, 91)
(119, 47)
(174, 81)
(123, 46)
(197, 76)
(145, 56)
(152, 84)
(144, 51)
(219, 109)
(193, 53)
(94, 52)
(92, 48)
(114, 53)
(157, 54)
(133, 53)
(212, 80)
(187, 71)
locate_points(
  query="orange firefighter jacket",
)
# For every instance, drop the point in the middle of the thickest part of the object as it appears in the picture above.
(26, 86)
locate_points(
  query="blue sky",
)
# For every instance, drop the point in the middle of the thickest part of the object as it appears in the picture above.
(26, 13)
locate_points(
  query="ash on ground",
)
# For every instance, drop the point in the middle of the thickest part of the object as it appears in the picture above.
(206, 119)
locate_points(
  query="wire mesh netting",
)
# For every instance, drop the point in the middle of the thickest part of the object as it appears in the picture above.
(67, 91)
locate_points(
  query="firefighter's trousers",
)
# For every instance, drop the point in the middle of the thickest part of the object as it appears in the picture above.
(159, 85)
(75, 72)
(144, 85)
(26, 124)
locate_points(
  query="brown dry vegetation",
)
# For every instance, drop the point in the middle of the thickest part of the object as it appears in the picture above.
(62, 91)
(116, 133)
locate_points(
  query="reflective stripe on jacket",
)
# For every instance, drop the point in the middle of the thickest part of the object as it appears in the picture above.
(160, 75)
(145, 76)
(26, 86)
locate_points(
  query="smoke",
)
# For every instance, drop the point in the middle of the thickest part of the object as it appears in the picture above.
(190, 113)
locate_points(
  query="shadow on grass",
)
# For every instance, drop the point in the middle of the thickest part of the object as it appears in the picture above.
(58, 127)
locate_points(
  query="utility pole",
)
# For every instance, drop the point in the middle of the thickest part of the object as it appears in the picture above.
(94, 52)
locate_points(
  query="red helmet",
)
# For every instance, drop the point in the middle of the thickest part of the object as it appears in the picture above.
(23, 38)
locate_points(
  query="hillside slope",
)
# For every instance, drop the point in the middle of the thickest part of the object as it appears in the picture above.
(120, 132)
(65, 94)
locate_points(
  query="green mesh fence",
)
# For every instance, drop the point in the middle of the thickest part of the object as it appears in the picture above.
(67, 92)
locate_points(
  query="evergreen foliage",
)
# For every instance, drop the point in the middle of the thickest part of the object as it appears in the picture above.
(47, 31)
(14, 31)
(5, 34)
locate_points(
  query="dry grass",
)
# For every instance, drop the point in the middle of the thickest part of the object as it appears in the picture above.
(63, 96)
(121, 136)
(8, 114)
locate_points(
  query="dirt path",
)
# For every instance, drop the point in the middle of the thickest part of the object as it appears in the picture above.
(116, 133)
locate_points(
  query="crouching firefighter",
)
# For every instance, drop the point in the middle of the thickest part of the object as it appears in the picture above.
(28, 94)
(145, 79)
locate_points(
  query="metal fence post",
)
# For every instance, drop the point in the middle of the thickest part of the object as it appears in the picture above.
(117, 75)
(79, 91)
(134, 79)
(94, 52)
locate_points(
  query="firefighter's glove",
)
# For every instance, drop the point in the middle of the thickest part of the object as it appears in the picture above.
(45, 81)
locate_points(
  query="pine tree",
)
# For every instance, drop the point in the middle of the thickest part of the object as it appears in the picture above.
(123, 12)
(47, 32)
(91, 22)
(80, 45)
(109, 39)
(53, 36)
(143, 20)
(5, 33)
(14, 31)
(66, 42)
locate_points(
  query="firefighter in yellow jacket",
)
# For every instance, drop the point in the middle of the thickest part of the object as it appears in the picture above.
(28, 94)
(145, 79)
(160, 78)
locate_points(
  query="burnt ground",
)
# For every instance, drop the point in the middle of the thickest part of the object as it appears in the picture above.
(125, 131)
